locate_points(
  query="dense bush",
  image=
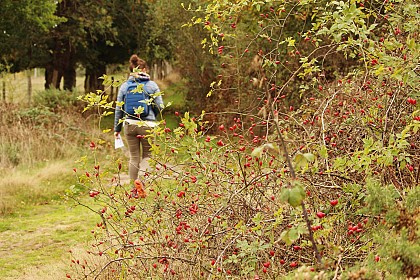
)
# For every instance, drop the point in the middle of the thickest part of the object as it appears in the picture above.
(55, 99)
(307, 189)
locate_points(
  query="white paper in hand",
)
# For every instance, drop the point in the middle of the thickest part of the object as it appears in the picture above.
(118, 143)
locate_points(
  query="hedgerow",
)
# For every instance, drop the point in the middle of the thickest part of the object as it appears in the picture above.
(314, 175)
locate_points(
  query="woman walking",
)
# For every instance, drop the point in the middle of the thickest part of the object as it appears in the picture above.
(138, 116)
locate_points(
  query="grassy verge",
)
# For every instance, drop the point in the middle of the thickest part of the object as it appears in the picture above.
(40, 237)
(40, 226)
(40, 185)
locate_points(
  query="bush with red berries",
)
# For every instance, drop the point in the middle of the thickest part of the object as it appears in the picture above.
(308, 185)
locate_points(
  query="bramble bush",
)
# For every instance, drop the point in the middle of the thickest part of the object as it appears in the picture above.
(323, 185)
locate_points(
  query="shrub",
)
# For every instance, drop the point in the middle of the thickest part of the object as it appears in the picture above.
(55, 99)
(307, 189)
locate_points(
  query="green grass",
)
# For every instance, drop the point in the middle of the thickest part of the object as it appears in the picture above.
(45, 234)
(40, 235)
(40, 226)
(41, 184)
(176, 94)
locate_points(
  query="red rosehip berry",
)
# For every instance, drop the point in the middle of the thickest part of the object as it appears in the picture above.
(334, 202)
(181, 194)
(265, 270)
(412, 101)
(320, 214)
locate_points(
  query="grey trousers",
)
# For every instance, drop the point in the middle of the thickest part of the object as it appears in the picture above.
(139, 149)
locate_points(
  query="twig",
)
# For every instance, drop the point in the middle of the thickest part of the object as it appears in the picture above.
(338, 266)
(386, 116)
(145, 258)
(305, 213)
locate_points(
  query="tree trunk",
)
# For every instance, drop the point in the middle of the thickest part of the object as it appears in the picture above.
(56, 79)
(69, 70)
(62, 65)
(112, 89)
(48, 76)
(92, 82)
(70, 78)
(52, 77)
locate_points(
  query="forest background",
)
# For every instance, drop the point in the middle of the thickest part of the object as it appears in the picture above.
(288, 145)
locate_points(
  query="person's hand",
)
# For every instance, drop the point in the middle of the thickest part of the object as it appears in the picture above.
(117, 134)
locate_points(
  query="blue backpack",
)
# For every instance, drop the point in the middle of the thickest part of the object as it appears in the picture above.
(134, 100)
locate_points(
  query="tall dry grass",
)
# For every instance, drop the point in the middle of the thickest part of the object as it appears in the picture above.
(48, 127)
(40, 185)
(35, 141)
(32, 135)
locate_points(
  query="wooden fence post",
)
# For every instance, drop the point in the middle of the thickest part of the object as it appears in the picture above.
(4, 90)
(28, 75)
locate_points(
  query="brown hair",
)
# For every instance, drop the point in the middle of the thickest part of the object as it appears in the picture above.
(137, 62)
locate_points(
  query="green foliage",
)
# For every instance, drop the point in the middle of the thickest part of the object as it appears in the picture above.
(312, 168)
(37, 116)
(55, 99)
(412, 198)
(294, 196)
(10, 154)
(380, 198)
(24, 25)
